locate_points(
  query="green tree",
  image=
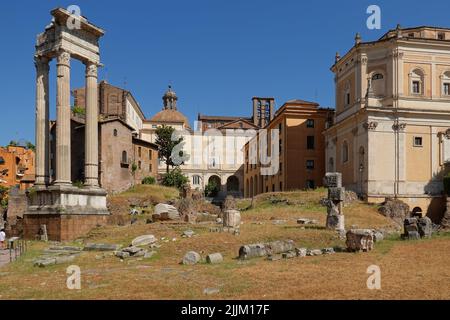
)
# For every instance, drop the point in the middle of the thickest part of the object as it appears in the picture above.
(13, 143)
(166, 145)
(30, 146)
(211, 189)
(175, 178)
(149, 180)
(77, 110)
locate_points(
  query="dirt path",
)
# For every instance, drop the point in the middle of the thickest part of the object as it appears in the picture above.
(4, 257)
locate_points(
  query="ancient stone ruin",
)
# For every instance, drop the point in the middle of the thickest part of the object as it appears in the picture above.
(66, 210)
(417, 228)
(334, 202)
(360, 240)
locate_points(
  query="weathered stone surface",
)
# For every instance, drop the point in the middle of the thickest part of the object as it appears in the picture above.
(229, 203)
(332, 180)
(132, 250)
(394, 209)
(65, 248)
(301, 252)
(144, 240)
(411, 235)
(122, 254)
(54, 260)
(359, 240)
(425, 227)
(165, 211)
(278, 222)
(289, 255)
(209, 291)
(327, 250)
(263, 249)
(214, 258)
(188, 233)
(314, 252)
(274, 257)
(232, 218)
(101, 247)
(191, 258)
(306, 221)
(377, 236)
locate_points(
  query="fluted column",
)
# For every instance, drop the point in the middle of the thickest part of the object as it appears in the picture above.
(42, 121)
(91, 133)
(63, 113)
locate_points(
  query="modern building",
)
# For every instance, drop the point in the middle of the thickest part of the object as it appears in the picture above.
(17, 167)
(391, 135)
(301, 150)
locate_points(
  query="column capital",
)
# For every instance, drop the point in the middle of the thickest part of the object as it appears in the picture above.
(91, 69)
(63, 58)
(41, 63)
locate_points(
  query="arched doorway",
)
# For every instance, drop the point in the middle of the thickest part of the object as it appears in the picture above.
(232, 184)
(213, 187)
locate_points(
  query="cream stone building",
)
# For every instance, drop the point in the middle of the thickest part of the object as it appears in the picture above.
(214, 145)
(391, 136)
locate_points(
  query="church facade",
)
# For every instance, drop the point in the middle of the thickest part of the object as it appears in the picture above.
(391, 132)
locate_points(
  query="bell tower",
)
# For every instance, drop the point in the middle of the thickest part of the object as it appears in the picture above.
(263, 110)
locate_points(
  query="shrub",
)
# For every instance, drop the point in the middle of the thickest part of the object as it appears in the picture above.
(148, 180)
(175, 178)
(211, 189)
(80, 111)
(79, 184)
(446, 181)
(3, 197)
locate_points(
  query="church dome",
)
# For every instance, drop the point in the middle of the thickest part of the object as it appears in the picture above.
(170, 116)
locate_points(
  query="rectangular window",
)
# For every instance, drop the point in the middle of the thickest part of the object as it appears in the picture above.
(418, 142)
(273, 188)
(310, 142)
(281, 186)
(347, 99)
(139, 152)
(446, 89)
(310, 184)
(309, 164)
(441, 36)
(416, 87)
(280, 169)
(310, 123)
(150, 154)
(150, 167)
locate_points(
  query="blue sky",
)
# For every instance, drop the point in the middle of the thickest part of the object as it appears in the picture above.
(216, 53)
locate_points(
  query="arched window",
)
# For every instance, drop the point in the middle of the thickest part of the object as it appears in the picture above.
(115, 132)
(416, 82)
(124, 157)
(446, 84)
(344, 152)
(378, 84)
(196, 180)
(2, 161)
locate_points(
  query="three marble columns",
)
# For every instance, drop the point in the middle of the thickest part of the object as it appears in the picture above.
(63, 116)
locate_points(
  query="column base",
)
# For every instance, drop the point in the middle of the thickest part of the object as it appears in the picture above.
(69, 211)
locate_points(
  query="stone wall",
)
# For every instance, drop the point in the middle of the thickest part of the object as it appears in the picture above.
(61, 227)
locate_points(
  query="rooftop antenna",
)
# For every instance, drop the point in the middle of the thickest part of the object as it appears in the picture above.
(125, 83)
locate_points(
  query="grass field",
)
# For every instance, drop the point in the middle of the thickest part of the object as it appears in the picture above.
(409, 270)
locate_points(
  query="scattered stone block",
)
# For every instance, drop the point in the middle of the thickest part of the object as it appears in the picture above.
(359, 240)
(122, 254)
(274, 257)
(289, 255)
(314, 252)
(101, 247)
(144, 240)
(163, 211)
(306, 221)
(425, 227)
(209, 291)
(328, 250)
(188, 233)
(214, 258)
(378, 236)
(264, 249)
(231, 218)
(191, 258)
(278, 222)
(132, 250)
(301, 252)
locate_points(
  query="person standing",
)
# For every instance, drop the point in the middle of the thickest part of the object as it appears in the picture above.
(2, 239)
